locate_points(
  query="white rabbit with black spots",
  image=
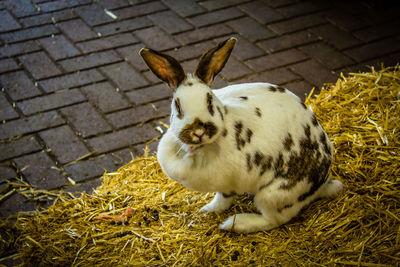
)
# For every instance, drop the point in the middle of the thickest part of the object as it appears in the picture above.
(254, 138)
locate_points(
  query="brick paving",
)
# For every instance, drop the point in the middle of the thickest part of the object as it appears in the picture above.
(73, 85)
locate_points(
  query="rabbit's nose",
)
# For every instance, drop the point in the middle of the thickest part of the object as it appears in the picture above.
(199, 133)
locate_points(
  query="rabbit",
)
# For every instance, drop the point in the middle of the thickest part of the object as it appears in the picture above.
(255, 138)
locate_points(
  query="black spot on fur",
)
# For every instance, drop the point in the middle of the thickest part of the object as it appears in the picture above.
(265, 185)
(248, 162)
(324, 141)
(314, 120)
(258, 112)
(231, 194)
(288, 142)
(307, 131)
(189, 83)
(249, 134)
(224, 132)
(303, 105)
(266, 165)
(243, 97)
(178, 108)
(211, 129)
(287, 206)
(210, 106)
(281, 89)
(272, 89)
(258, 157)
(238, 131)
(220, 113)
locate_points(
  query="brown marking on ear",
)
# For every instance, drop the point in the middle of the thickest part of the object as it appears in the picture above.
(212, 62)
(165, 67)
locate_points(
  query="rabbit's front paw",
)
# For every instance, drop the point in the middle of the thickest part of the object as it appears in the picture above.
(218, 205)
(247, 223)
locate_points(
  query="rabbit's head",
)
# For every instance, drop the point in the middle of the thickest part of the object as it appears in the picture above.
(197, 115)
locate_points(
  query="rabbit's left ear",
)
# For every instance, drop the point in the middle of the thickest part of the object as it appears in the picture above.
(212, 62)
(165, 67)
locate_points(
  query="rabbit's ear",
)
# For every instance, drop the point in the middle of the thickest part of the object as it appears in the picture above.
(212, 62)
(164, 67)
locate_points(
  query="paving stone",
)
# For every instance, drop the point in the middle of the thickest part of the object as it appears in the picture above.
(288, 41)
(13, 204)
(244, 49)
(279, 3)
(131, 54)
(39, 65)
(296, 24)
(135, 115)
(18, 48)
(59, 47)
(347, 21)
(77, 30)
(314, 72)
(57, 5)
(51, 101)
(107, 42)
(378, 31)
(8, 22)
(18, 86)
(6, 172)
(374, 49)
(27, 34)
(153, 78)
(6, 110)
(124, 76)
(250, 29)
(114, 4)
(91, 168)
(85, 119)
(326, 55)
(234, 69)
(30, 124)
(155, 38)
(71, 80)
(300, 88)
(21, 8)
(123, 26)
(18, 147)
(184, 8)
(105, 97)
(335, 36)
(39, 170)
(64, 144)
(122, 138)
(149, 94)
(215, 17)
(48, 18)
(170, 22)
(302, 7)
(216, 4)
(191, 51)
(278, 76)
(139, 10)
(90, 61)
(8, 64)
(261, 12)
(276, 60)
(93, 14)
(203, 34)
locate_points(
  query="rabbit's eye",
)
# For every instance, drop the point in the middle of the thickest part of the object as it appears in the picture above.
(178, 108)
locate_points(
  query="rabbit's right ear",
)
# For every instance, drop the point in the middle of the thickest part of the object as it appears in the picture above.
(164, 67)
(212, 62)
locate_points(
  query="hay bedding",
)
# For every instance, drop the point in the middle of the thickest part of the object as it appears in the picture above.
(360, 227)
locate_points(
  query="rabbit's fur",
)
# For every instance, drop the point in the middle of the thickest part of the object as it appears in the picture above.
(252, 137)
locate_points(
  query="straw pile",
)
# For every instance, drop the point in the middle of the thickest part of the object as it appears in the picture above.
(361, 227)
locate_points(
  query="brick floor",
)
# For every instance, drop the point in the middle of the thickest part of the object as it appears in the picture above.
(73, 84)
